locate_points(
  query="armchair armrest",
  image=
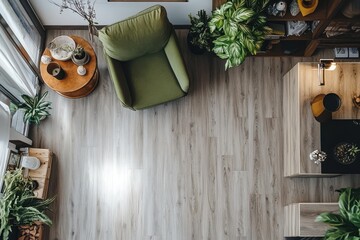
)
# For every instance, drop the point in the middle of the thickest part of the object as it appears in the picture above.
(176, 61)
(119, 79)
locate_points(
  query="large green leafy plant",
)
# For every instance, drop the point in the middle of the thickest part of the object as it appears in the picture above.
(36, 108)
(240, 29)
(346, 224)
(18, 205)
(199, 34)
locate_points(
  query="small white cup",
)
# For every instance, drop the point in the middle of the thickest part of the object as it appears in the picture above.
(81, 70)
(45, 59)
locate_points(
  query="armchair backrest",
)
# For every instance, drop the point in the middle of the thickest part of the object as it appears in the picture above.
(147, 32)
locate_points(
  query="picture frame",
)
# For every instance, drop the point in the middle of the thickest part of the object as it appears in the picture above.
(353, 53)
(341, 52)
(14, 160)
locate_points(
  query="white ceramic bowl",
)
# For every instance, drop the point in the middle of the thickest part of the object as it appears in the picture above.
(62, 47)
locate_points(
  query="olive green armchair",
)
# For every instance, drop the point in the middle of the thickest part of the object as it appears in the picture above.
(144, 60)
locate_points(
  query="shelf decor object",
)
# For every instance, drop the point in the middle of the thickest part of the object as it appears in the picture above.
(322, 106)
(307, 6)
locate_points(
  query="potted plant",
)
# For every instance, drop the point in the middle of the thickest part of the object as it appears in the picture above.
(346, 153)
(35, 108)
(199, 38)
(346, 224)
(80, 56)
(19, 206)
(240, 29)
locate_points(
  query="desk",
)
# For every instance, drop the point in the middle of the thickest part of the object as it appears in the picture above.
(301, 130)
(73, 85)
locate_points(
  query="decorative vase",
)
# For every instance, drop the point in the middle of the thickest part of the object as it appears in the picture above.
(92, 31)
(307, 6)
(80, 60)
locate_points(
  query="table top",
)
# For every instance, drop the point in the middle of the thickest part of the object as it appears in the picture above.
(72, 81)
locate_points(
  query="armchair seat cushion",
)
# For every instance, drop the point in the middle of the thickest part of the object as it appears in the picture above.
(151, 80)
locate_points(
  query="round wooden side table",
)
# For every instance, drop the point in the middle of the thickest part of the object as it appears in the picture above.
(73, 85)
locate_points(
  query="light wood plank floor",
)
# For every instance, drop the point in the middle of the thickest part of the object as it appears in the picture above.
(208, 166)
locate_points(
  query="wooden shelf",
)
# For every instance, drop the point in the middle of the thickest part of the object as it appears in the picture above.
(341, 18)
(305, 36)
(278, 49)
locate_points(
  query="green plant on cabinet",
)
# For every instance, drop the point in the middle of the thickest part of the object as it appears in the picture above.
(346, 224)
(19, 206)
(239, 28)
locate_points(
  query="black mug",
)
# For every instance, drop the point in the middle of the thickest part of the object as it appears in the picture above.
(323, 106)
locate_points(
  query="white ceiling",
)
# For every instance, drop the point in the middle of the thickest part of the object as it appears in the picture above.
(110, 12)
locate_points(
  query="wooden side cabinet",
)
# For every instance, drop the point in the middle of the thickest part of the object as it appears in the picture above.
(42, 176)
(300, 219)
(301, 130)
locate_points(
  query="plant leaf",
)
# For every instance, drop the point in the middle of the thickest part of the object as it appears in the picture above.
(243, 15)
(331, 219)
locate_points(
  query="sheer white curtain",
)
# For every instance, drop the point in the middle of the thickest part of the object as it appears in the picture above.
(22, 26)
(4, 138)
(15, 75)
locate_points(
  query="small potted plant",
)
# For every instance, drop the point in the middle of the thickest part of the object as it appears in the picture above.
(346, 153)
(199, 38)
(36, 108)
(80, 56)
(346, 224)
(19, 206)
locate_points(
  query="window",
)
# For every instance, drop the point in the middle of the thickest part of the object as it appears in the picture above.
(22, 26)
(21, 39)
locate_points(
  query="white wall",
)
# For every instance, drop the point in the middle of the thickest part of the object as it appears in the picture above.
(110, 12)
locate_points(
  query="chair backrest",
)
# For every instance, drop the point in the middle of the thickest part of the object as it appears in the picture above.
(147, 32)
